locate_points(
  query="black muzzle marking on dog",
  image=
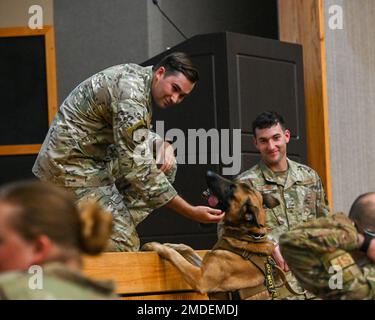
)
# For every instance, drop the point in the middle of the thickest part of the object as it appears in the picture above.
(222, 188)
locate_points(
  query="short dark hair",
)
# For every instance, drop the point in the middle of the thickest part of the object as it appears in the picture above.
(268, 119)
(362, 211)
(179, 62)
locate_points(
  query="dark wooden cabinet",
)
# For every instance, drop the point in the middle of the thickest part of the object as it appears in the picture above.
(240, 76)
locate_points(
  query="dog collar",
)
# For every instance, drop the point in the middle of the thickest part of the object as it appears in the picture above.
(241, 235)
(256, 237)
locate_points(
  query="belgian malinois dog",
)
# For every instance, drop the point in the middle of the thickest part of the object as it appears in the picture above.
(233, 265)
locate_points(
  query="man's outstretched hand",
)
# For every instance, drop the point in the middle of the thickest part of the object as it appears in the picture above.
(201, 214)
(205, 214)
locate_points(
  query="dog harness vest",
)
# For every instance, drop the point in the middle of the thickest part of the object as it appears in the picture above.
(266, 265)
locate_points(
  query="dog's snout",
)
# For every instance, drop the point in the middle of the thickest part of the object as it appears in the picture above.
(221, 187)
(211, 177)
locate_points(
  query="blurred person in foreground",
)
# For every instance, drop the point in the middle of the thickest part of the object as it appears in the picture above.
(42, 236)
(334, 257)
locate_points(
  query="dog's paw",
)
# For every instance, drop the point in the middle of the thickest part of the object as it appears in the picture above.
(179, 247)
(150, 246)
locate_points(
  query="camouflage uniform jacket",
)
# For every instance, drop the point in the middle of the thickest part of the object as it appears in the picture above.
(97, 131)
(301, 196)
(58, 283)
(318, 254)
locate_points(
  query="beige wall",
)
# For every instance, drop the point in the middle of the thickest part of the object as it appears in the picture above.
(15, 13)
(351, 93)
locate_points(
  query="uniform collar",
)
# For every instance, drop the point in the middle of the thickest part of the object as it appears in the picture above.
(293, 175)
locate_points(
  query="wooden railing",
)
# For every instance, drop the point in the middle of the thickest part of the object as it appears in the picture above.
(141, 276)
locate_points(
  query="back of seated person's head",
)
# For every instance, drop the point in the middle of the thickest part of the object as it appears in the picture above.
(362, 212)
(41, 223)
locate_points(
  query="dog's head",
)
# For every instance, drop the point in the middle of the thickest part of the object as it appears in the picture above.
(242, 203)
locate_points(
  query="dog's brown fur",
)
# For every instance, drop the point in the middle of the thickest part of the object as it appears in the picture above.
(222, 270)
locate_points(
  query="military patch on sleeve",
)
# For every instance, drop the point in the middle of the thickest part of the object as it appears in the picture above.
(136, 126)
(140, 135)
(346, 263)
(344, 260)
(338, 258)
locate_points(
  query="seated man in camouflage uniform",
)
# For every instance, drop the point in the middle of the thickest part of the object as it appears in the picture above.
(42, 237)
(334, 257)
(99, 145)
(297, 187)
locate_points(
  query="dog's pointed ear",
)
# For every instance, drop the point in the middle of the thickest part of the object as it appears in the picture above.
(270, 201)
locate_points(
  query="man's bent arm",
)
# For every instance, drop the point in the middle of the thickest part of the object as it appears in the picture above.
(318, 250)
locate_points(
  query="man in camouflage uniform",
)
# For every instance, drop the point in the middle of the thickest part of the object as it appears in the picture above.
(297, 187)
(99, 145)
(334, 257)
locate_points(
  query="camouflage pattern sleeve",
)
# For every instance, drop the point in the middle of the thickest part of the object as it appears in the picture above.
(133, 137)
(317, 253)
(325, 234)
(322, 208)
